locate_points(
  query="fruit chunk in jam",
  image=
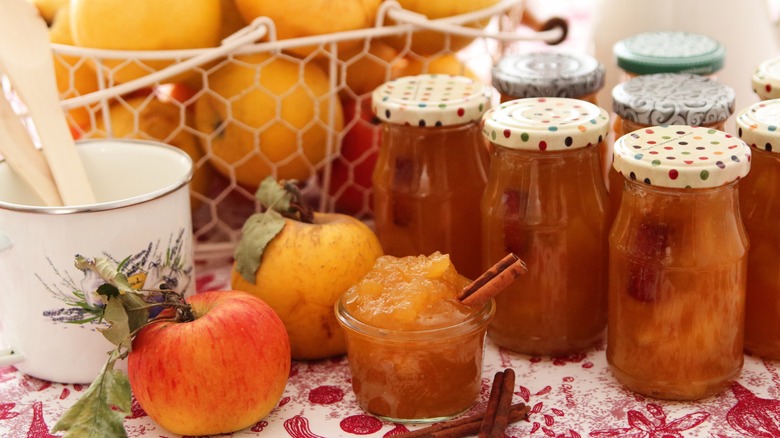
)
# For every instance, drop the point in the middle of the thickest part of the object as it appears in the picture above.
(414, 350)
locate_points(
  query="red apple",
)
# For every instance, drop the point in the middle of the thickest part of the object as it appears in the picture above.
(350, 180)
(220, 373)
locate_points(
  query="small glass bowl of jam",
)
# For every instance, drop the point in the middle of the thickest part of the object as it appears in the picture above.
(415, 351)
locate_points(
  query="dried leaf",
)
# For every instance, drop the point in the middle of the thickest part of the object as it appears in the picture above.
(107, 270)
(257, 232)
(102, 408)
(273, 195)
(116, 315)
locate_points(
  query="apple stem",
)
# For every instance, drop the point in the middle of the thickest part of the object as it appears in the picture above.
(305, 213)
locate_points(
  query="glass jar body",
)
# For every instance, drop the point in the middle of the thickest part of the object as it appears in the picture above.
(677, 276)
(428, 183)
(760, 206)
(549, 208)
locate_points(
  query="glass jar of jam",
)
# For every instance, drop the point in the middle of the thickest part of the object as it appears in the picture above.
(550, 73)
(666, 99)
(669, 52)
(415, 351)
(759, 194)
(545, 201)
(766, 79)
(431, 168)
(678, 262)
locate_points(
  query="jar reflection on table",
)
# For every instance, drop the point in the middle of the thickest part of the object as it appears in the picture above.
(415, 352)
(545, 201)
(678, 259)
(431, 168)
(760, 205)
(666, 99)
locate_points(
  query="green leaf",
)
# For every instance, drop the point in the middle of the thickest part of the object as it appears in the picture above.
(273, 195)
(116, 315)
(102, 408)
(137, 311)
(257, 232)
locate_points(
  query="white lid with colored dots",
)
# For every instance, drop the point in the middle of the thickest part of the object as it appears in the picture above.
(681, 156)
(546, 124)
(757, 125)
(431, 100)
(766, 79)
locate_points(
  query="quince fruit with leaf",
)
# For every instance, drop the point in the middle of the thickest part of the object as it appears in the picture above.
(300, 263)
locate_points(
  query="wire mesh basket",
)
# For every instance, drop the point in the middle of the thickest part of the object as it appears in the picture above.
(257, 106)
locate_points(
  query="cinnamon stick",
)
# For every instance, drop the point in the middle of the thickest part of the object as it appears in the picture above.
(493, 281)
(492, 405)
(501, 420)
(465, 426)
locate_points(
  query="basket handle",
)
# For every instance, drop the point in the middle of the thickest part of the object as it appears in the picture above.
(251, 33)
(552, 31)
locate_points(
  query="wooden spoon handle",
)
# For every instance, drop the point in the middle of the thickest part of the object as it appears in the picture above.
(22, 156)
(26, 57)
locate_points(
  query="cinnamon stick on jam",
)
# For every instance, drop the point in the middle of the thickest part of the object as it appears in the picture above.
(493, 281)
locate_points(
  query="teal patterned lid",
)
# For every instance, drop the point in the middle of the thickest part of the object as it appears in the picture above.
(670, 52)
(766, 79)
(548, 73)
(431, 100)
(758, 125)
(681, 156)
(546, 124)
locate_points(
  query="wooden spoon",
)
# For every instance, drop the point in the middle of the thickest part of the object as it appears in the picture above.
(26, 58)
(17, 148)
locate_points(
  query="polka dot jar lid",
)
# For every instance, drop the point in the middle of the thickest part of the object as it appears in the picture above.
(431, 100)
(766, 79)
(673, 99)
(546, 124)
(669, 52)
(680, 156)
(759, 125)
(548, 74)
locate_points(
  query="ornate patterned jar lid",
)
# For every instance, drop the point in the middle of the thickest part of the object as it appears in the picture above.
(431, 100)
(766, 79)
(673, 99)
(546, 124)
(759, 125)
(680, 156)
(548, 74)
(669, 52)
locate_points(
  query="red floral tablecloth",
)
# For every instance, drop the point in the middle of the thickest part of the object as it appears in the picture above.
(573, 396)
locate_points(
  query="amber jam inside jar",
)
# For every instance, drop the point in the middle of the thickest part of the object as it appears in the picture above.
(760, 205)
(666, 99)
(678, 263)
(414, 350)
(431, 168)
(545, 201)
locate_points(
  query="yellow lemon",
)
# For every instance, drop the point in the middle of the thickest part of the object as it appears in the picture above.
(266, 116)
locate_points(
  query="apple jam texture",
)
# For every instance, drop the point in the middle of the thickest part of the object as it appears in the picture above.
(678, 262)
(430, 172)
(760, 206)
(414, 350)
(546, 202)
(666, 99)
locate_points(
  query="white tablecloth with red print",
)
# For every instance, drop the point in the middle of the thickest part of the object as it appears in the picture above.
(570, 397)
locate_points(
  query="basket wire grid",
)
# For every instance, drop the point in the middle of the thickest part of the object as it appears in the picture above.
(314, 125)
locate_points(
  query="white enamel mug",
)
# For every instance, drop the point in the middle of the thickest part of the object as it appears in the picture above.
(142, 214)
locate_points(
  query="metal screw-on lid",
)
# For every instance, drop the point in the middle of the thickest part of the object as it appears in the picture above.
(766, 79)
(673, 99)
(669, 52)
(431, 100)
(546, 124)
(759, 125)
(681, 156)
(548, 74)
